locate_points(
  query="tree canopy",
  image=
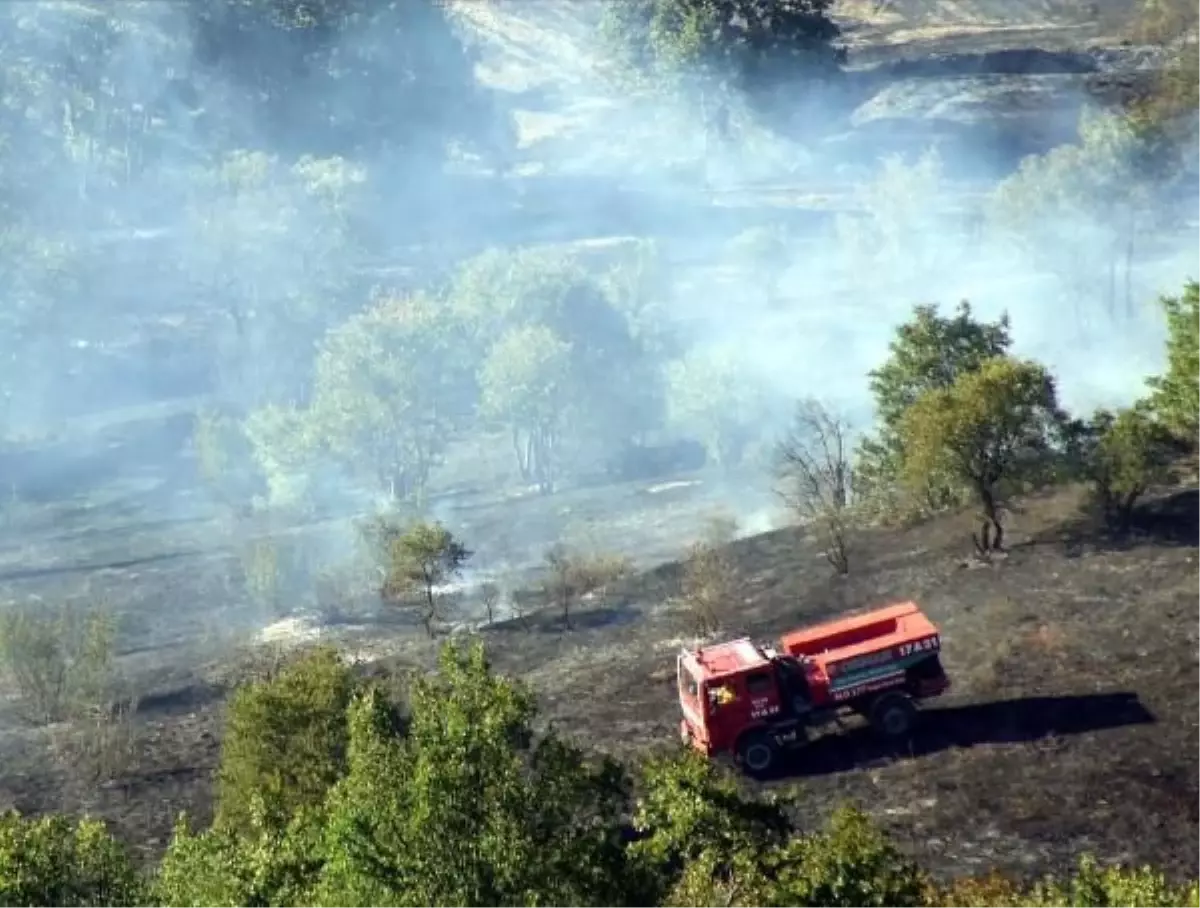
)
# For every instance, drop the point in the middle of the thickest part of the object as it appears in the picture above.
(743, 44)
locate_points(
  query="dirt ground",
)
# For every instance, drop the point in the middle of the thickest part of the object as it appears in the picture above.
(1071, 726)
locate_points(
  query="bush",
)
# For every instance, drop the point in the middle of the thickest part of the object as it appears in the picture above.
(59, 659)
(54, 861)
(707, 586)
(1175, 397)
(1130, 454)
(285, 740)
(569, 576)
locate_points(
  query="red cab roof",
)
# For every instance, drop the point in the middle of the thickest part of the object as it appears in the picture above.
(729, 658)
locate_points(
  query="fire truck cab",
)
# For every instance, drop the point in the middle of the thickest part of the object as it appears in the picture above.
(754, 702)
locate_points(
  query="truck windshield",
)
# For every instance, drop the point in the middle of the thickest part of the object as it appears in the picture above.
(689, 689)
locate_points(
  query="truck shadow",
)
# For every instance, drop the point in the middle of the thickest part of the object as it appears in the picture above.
(1045, 720)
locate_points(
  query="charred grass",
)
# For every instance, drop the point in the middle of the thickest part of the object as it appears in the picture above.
(1071, 726)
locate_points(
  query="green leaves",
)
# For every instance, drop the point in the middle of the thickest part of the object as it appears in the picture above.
(1130, 452)
(54, 861)
(1175, 396)
(285, 743)
(990, 429)
(711, 396)
(929, 352)
(739, 42)
(415, 560)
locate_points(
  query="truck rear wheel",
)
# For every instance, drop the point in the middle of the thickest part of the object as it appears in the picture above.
(757, 754)
(893, 715)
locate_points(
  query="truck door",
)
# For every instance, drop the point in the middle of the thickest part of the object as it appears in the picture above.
(762, 690)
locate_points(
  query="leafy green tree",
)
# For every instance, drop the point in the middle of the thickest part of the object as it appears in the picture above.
(248, 214)
(391, 385)
(1129, 454)
(738, 42)
(612, 380)
(54, 860)
(1100, 185)
(467, 809)
(710, 396)
(1175, 396)
(285, 743)
(258, 864)
(702, 840)
(416, 560)
(526, 382)
(988, 430)
(890, 232)
(929, 352)
(366, 73)
(850, 862)
(284, 441)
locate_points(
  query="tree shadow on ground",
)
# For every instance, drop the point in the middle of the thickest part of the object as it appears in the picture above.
(1167, 520)
(1030, 720)
(549, 620)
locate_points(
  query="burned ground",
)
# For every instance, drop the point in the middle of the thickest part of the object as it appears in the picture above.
(1072, 724)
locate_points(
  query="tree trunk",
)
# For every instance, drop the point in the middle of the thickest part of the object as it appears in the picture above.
(991, 531)
(1130, 309)
(520, 453)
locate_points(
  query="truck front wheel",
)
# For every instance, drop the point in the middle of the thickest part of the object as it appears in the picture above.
(893, 715)
(757, 754)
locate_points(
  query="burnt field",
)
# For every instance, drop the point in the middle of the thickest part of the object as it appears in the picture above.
(1072, 724)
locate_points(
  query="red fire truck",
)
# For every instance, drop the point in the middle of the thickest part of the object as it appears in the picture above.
(754, 702)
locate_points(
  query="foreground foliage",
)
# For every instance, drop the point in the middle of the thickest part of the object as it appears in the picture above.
(335, 794)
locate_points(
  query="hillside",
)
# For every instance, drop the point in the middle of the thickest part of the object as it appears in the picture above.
(1071, 726)
(272, 319)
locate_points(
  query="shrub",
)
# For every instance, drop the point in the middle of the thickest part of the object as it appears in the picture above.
(60, 659)
(54, 861)
(1131, 452)
(707, 585)
(285, 740)
(569, 576)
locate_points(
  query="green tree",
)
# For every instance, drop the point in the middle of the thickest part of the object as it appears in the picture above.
(53, 860)
(258, 864)
(989, 430)
(285, 743)
(1079, 208)
(248, 214)
(890, 233)
(392, 383)
(929, 352)
(1175, 397)
(358, 97)
(1129, 454)
(416, 560)
(526, 383)
(284, 441)
(739, 42)
(613, 380)
(702, 840)
(850, 863)
(467, 809)
(710, 396)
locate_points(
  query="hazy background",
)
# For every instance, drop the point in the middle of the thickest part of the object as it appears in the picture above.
(192, 200)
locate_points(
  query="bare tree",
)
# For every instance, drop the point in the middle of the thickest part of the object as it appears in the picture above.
(708, 587)
(814, 469)
(489, 598)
